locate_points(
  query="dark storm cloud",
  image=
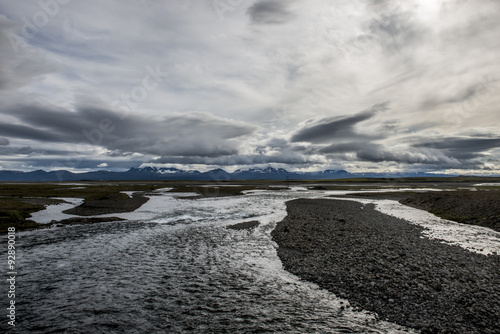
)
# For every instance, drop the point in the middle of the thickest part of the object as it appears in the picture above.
(462, 148)
(27, 132)
(463, 144)
(328, 129)
(28, 150)
(15, 150)
(269, 12)
(4, 142)
(191, 134)
(336, 128)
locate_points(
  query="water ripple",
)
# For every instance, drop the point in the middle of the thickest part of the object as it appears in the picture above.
(176, 269)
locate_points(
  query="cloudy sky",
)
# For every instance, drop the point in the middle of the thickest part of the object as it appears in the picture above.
(362, 85)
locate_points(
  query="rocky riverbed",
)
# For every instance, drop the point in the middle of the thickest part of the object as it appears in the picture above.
(383, 264)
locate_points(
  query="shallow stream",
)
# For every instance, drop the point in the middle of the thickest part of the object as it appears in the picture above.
(174, 267)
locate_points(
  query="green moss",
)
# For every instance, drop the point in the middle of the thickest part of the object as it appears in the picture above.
(14, 213)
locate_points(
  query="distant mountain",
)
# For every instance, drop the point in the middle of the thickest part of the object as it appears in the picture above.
(268, 173)
(153, 173)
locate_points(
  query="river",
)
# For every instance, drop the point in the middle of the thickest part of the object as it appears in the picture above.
(174, 267)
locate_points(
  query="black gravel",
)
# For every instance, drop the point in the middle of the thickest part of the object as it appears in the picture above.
(107, 206)
(384, 265)
(244, 226)
(481, 207)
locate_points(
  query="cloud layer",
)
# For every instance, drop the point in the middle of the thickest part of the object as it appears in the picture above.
(360, 85)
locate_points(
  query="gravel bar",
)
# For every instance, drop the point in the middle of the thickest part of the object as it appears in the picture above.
(384, 265)
(101, 207)
(244, 226)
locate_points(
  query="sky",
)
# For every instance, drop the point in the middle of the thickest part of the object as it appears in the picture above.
(360, 85)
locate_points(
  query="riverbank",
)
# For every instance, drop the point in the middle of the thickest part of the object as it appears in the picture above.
(480, 207)
(19, 200)
(474, 207)
(382, 264)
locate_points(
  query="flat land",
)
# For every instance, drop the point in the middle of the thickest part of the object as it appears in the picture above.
(18, 200)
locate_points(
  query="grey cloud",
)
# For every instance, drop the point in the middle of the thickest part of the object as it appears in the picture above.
(191, 134)
(444, 152)
(336, 128)
(395, 30)
(464, 144)
(57, 125)
(16, 150)
(87, 163)
(228, 69)
(269, 12)
(471, 96)
(474, 26)
(410, 75)
(462, 148)
(379, 153)
(344, 147)
(470, 92)
(277, 143)
(374, 152)
(329, 129)
(290, 158)
(18, 66)
(28, 150)
(27, 132)
(60, 44)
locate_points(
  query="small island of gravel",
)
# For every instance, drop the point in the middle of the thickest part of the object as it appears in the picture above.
(244, 226)
(115, 203)
(384, 265)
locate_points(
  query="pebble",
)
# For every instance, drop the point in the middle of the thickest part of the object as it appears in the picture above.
(428, 288)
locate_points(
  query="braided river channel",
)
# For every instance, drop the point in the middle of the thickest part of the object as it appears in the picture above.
(174, 267)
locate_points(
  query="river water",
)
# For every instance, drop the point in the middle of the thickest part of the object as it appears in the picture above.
(174, 267)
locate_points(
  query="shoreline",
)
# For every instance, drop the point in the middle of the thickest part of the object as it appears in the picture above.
(382, 264)
(478, 207)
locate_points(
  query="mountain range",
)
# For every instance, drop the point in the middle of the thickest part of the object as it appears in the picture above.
(154, 173)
